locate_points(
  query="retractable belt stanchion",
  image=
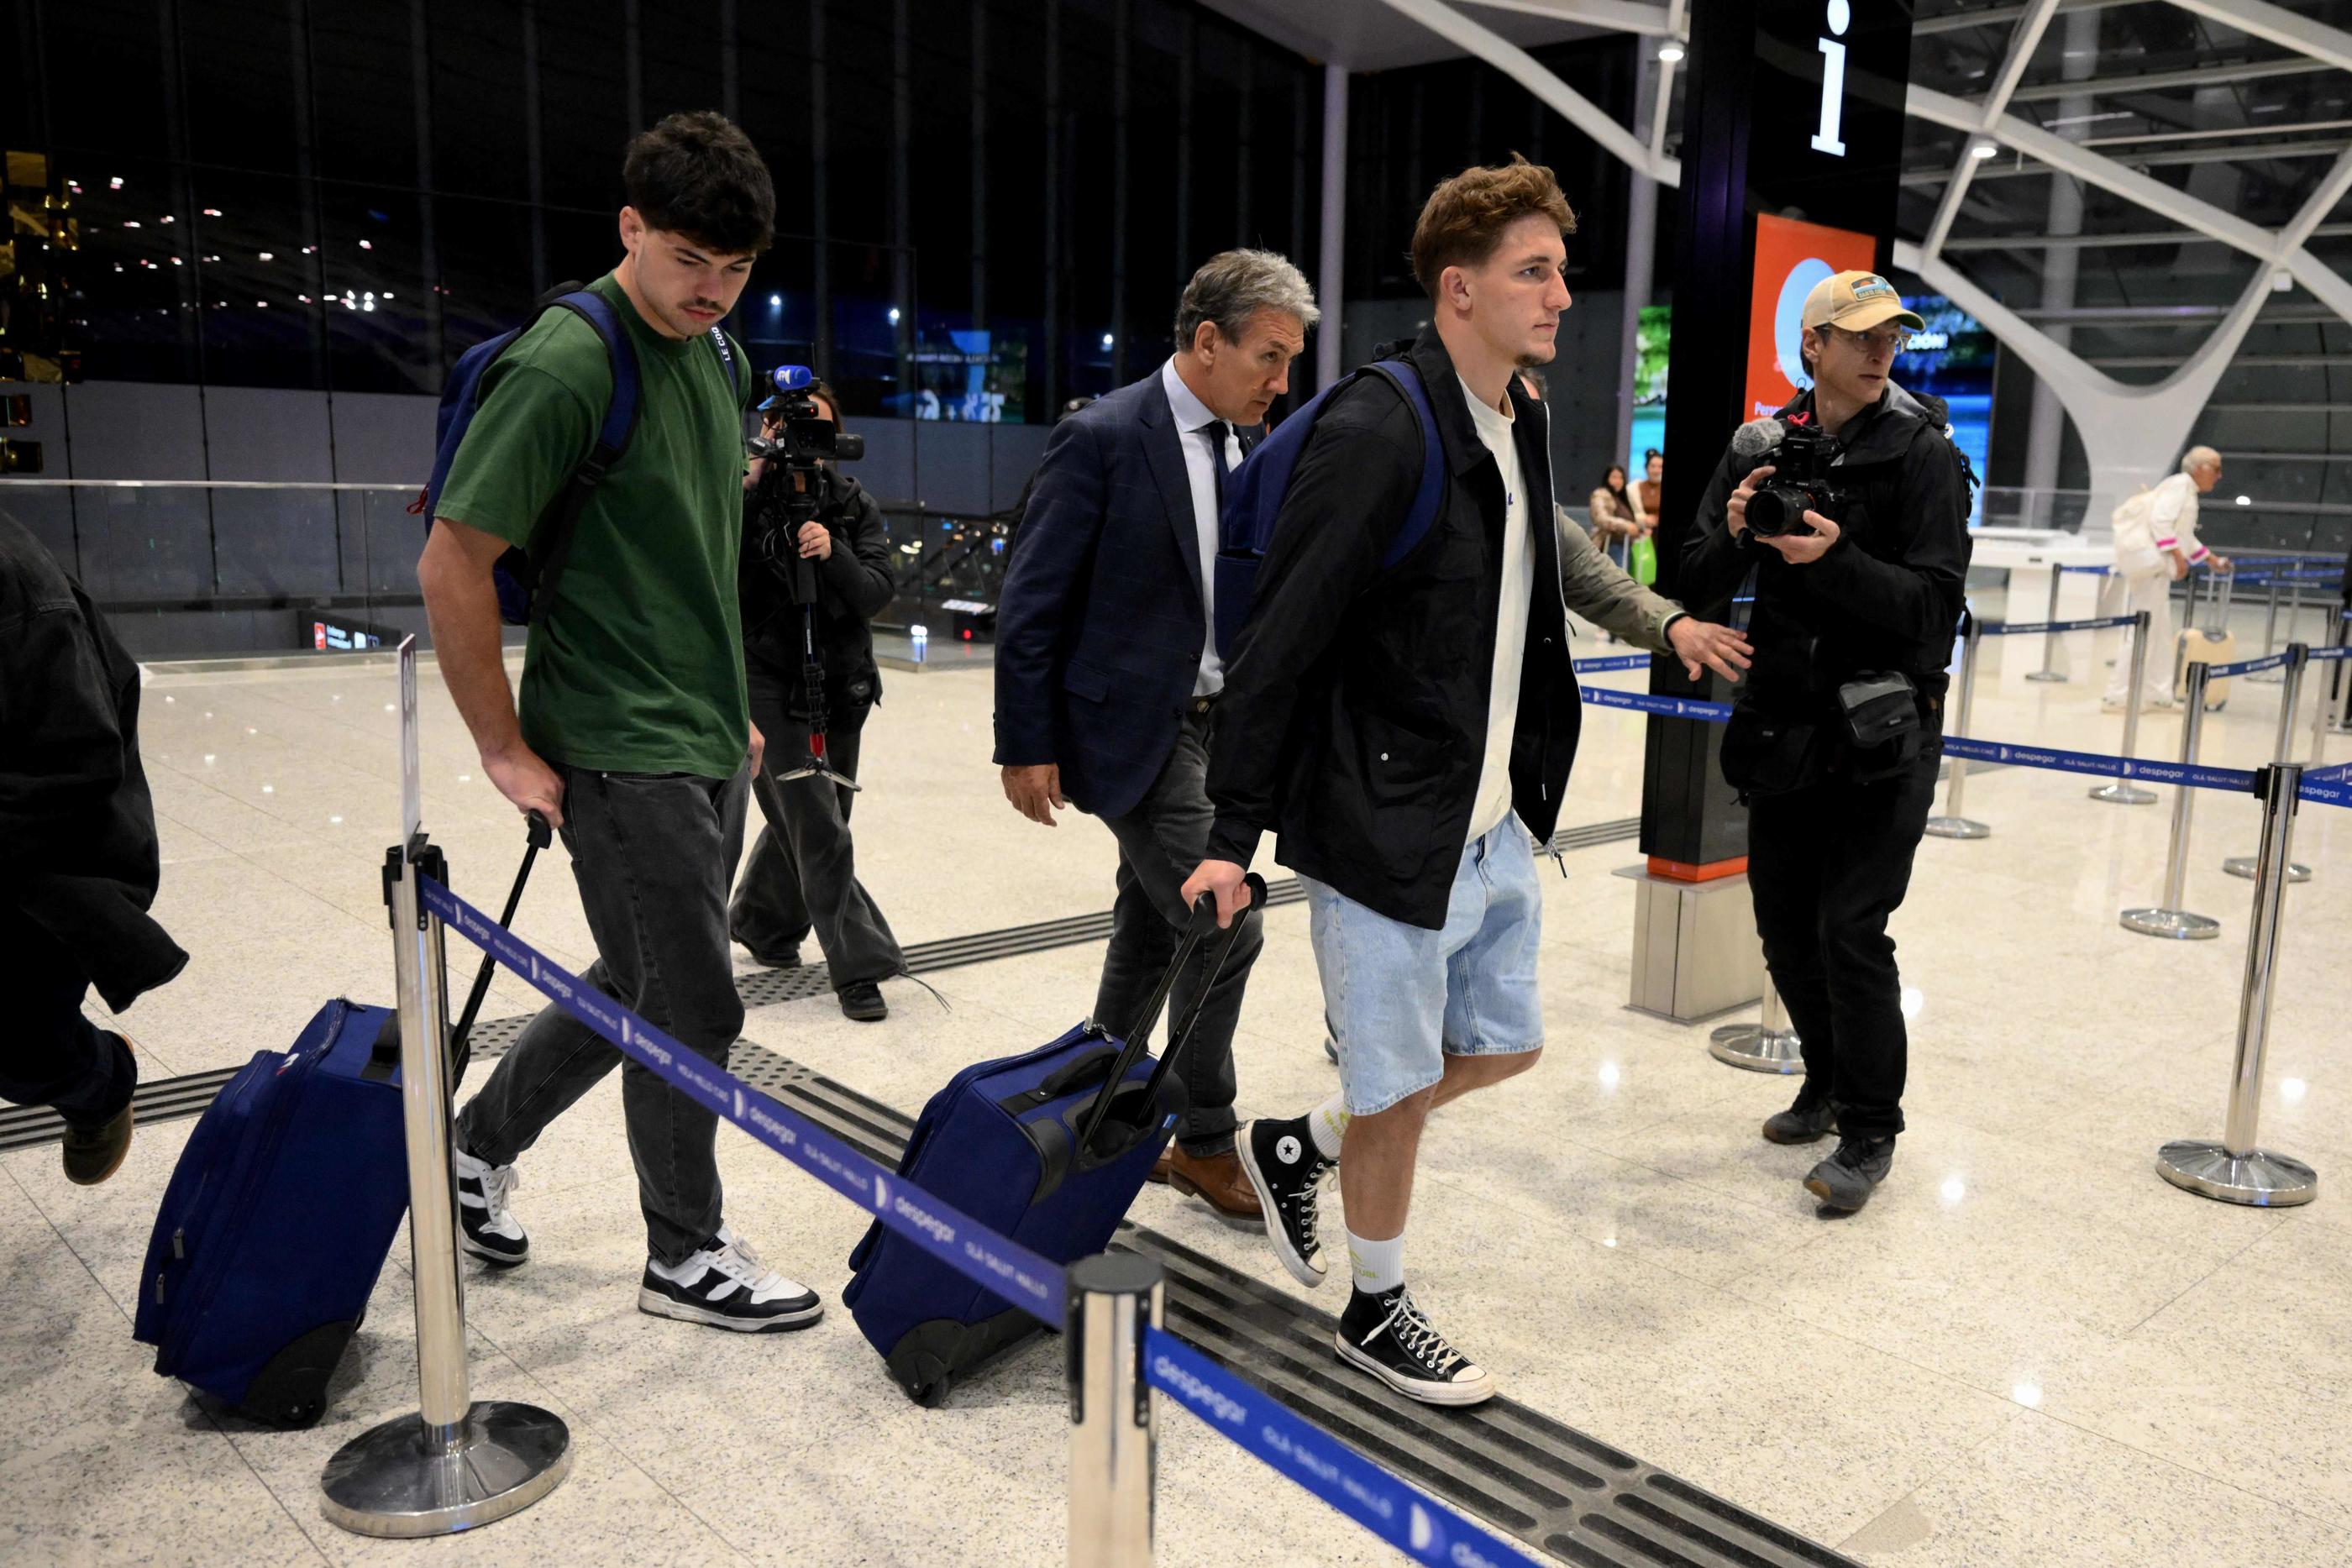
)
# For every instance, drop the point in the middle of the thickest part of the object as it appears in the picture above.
(1951, 824)
(2050, 670)
(1768, 1045)
(455, 1463)
(2169, 919)
(2298, 659)
(2123, 791)
(2270, 639)
(2234, 1169)
(1114, 1428)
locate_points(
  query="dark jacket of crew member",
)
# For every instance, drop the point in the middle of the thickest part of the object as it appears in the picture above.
(1356, 719)
(1888, 594)
(852, 584)
(77, 850)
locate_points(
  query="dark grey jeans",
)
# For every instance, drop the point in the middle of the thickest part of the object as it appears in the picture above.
(803, 870)
(1160, 843)
(651, 854)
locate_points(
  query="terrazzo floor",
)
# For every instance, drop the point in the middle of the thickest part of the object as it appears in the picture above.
(2028, 1350)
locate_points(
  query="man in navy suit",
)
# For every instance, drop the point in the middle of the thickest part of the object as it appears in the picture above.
(1108, 676)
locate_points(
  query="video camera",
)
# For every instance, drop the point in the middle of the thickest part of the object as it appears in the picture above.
(1800, 459)
(792, 491)
(808, 436)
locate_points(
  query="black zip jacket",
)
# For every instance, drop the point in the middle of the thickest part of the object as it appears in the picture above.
(852, 584)
(78, 849)
(1888, 594)
(1354, 717)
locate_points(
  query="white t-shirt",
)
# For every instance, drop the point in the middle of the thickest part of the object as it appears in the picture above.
(1494, 801)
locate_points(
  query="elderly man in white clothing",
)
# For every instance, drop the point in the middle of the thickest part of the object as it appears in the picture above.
(2156, 546)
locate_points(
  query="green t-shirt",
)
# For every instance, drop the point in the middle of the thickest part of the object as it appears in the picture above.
(638, 667)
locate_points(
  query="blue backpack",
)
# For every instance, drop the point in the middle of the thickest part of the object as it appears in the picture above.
(526, 583)
(1254, 497)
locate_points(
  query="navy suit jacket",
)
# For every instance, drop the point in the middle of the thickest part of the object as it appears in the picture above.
(1100, 627)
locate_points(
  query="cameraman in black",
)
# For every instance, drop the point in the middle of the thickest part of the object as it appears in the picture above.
(802, 873)
(1852, 514)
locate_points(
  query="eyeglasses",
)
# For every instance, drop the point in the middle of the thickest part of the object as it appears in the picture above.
(1885, 341)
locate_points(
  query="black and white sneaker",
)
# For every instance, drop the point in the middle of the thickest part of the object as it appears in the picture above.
(725, 1286)
(1386, 1335)
(1286, 1171)
(486, 1227)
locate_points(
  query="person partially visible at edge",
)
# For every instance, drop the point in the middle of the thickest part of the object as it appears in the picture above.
(1872, 597)
(79, 864)
(1615, 511)
(1651, 489)
(633, 735)
(1408, 733)
(2155, 547)
(1108, 674)
(803, 873)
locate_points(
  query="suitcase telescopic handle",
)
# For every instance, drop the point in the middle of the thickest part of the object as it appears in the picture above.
(1203, 925)
(461, 1039)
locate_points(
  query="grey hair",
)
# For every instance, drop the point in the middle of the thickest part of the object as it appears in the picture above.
(2200, 458)
(1235, 285)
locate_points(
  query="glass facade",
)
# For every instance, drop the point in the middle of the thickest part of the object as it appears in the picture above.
(984, 208)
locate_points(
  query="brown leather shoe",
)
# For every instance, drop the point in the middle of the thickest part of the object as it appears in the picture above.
(1217, 1181)
(1160, 1166)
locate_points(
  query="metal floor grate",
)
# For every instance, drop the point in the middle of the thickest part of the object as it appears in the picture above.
(1548, 1484)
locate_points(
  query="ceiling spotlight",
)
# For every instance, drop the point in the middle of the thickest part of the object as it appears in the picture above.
(2245, 500)
(775, 302)
(1984, 150)
(1670, 52)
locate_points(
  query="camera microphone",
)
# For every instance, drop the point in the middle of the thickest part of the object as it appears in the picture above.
(1756, 437)
(794, 378)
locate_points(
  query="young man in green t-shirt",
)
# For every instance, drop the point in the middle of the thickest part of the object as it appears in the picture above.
(633, 737)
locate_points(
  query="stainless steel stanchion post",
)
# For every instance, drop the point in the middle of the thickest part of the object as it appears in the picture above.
(2050, 670)
(1951, 824)
(2235, 1169)
(1768, 1045)
(2270, 637)
(1113, 1429)
(456, 1463)
(2123, 791)
(2298, 659)
(2169, 919)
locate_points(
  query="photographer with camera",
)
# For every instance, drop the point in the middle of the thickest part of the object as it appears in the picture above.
(810, 529)
(1850, 509)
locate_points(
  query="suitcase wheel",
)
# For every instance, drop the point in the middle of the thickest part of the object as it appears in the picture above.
(291, 1390)
(923, 1377)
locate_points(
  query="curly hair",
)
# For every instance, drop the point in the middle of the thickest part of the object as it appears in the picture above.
(1465, 217)
(698, 175)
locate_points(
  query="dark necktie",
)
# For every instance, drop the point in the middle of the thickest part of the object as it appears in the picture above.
(1218, 430)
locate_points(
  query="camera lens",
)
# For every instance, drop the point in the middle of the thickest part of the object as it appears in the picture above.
(1771, 511)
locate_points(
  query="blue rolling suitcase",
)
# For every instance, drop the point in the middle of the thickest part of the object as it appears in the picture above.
(1048, 1148)
(282, 1208)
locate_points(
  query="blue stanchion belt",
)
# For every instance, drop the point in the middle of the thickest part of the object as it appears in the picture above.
(2328, 786)
(1005, 1267)
(2343, 652)
(1405, 1516)
(2000, 629)
(2092, 570)
(2246, 666)
(2192, 773)
(1615, 662)
(1670, 707)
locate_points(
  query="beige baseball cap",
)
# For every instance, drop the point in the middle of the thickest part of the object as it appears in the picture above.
(1857, 301)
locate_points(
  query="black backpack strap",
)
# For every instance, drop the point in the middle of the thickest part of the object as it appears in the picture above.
(612, 443)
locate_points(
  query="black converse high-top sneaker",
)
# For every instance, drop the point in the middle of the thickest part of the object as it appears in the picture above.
(1386, 1335)
(725, 1286)
(486, 1229)
(1286, 1171)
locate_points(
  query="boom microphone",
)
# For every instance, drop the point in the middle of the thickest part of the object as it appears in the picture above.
(1753, 439)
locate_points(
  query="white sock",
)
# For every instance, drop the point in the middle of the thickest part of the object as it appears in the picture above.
(1378, 1266)
(1328, 1124)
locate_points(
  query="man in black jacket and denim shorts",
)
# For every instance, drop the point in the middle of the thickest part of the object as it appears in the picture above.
(1408, 733)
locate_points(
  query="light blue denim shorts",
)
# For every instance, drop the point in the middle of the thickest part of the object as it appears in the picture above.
(1401, 999)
